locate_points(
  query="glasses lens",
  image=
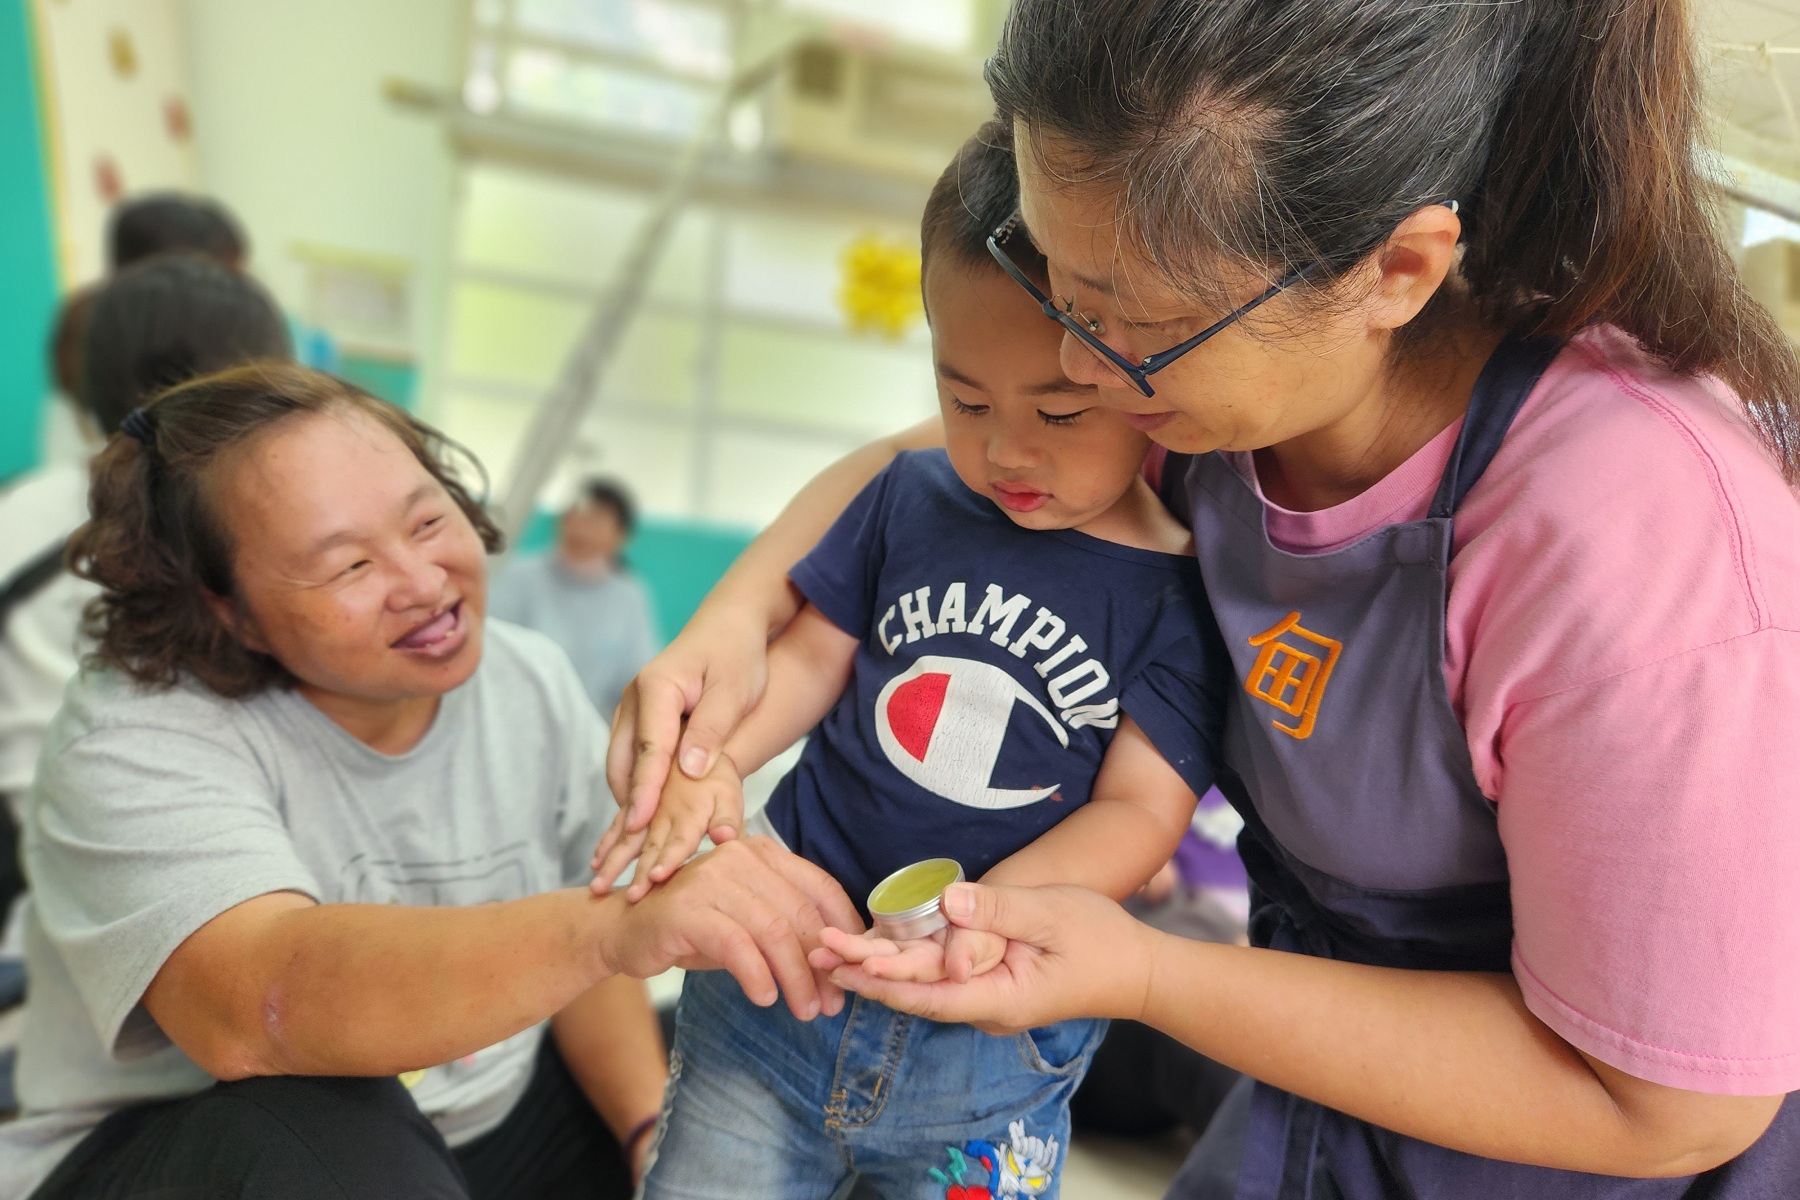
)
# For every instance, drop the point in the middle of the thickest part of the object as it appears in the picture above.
(1093, 345)
(1075, 325)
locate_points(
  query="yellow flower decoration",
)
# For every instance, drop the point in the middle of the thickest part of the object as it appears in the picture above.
(880, 293)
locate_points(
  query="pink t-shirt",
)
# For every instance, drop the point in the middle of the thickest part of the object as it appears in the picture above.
(1624, 652)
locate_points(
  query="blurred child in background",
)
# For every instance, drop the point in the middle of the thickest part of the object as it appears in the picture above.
(582, 596)
(155, 323)
(167, 222)
(161, 325)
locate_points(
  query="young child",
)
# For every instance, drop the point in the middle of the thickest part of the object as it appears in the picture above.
(1007, 648)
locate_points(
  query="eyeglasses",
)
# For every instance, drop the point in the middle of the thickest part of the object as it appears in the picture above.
(1087, 330)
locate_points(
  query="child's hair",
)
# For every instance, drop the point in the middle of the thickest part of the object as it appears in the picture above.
(166, 320)
(1284, 134)
(160, 222)
(157, 546)
(976, 194)
(610, 493)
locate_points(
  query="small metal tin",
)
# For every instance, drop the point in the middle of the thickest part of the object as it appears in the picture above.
(908, 903)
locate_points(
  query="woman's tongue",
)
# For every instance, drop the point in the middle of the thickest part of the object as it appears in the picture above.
(432, 632)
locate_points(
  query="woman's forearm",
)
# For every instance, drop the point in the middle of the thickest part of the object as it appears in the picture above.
(373, 989)
(1450, 1058)
(280, 985)
(612, 1043)
(755, 587)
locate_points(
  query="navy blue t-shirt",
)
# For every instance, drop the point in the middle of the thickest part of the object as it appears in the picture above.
(994, 664)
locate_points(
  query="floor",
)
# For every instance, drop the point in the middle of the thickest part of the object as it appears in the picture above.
(1100, 1168)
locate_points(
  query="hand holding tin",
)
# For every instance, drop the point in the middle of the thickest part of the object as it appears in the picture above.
(956, 955)
(1070, 952)
(687, 811)
(912, 939)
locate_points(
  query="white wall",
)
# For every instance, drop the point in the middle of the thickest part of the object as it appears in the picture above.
(293, 133)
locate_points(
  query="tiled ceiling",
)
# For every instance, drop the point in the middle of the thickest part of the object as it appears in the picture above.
(1744, 91)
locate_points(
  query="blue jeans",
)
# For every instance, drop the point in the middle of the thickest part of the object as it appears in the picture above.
(761, 1105)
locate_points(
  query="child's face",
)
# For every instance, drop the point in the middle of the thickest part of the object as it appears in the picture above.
(1019, 432)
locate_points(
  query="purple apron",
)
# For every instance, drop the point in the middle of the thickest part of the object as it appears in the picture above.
(1366, 838)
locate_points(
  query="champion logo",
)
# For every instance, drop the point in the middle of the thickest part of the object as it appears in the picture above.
(943, 722)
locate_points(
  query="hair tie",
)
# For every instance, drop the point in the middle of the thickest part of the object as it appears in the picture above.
(137, 424)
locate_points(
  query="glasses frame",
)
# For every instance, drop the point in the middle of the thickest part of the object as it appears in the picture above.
(1137, 374)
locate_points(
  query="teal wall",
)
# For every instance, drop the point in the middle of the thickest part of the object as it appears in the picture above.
(678, 561)
(28, 285)
(395, 382)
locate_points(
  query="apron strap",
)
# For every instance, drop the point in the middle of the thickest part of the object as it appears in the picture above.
(1171, 485)
(1508, 378)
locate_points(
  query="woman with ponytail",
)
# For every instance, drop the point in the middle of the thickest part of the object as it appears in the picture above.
(1489, 461)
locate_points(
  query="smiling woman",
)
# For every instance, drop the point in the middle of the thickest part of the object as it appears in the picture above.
(390, 505)
(310, 822)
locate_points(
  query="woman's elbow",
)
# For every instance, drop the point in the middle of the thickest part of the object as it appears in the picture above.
(229, 1063)
(229, 1055)
(231, 1038)
(1693, 1148)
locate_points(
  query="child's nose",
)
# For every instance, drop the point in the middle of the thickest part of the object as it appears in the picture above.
(1009, 452)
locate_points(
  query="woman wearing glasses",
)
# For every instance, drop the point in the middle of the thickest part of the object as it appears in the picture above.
(1488, 463)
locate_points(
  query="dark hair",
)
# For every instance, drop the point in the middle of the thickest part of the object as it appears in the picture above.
(976, 193)
(163, 221)
(610, 493)
(166, 320)
(1293, 133)
(65, 341)
(157, 547)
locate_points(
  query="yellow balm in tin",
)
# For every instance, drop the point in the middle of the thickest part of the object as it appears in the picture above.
(906, 905)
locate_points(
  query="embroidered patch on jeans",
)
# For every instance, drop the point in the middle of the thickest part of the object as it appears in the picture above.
(984, 1170)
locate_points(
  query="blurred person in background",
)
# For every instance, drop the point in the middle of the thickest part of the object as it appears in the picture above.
(162, 326)
(583, 596)
(162, 222)
(155, 323)
(38, 511)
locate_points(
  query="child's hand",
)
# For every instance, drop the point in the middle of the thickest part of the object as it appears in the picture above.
(972, 952)
(954, 954)
(688, 810)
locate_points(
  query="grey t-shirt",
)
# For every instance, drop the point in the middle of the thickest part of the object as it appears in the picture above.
(156, 810)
